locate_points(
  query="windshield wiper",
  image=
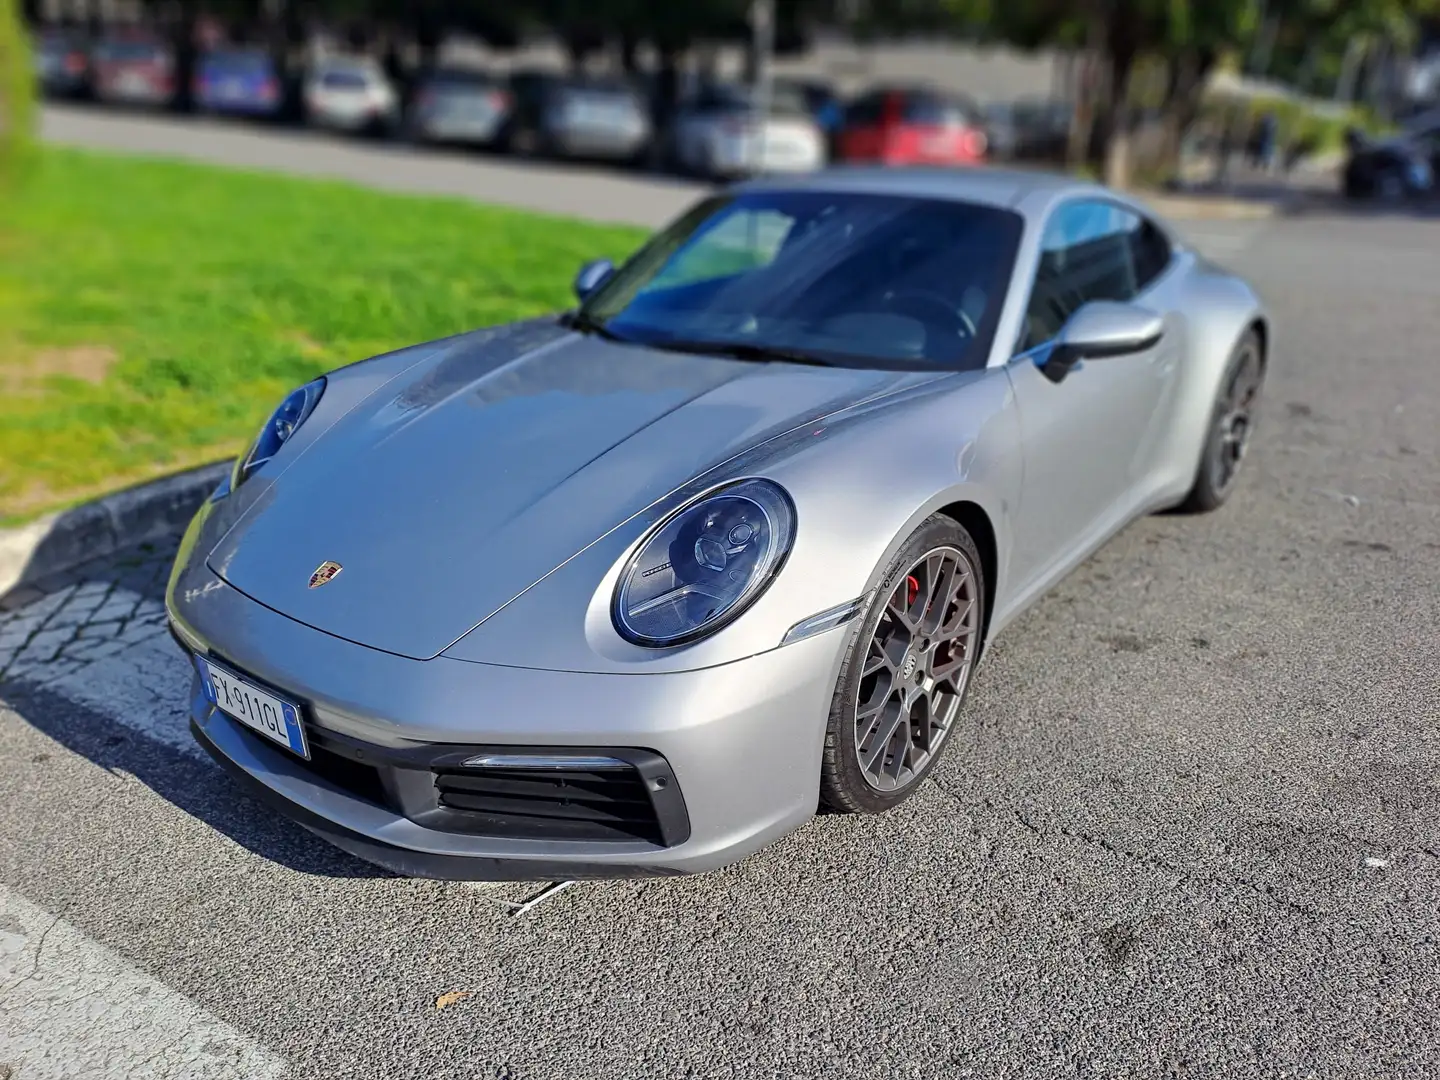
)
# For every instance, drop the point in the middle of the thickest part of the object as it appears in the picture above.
(582, 323)
(746, 350)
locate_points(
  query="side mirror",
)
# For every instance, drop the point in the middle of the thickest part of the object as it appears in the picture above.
(1100, 329)
(591, 276)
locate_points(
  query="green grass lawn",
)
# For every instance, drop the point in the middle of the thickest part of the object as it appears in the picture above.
(152, 312)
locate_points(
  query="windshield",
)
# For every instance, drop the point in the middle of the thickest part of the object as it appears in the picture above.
(856, 279)
(344, 79)
(129, 51)
(784, 100)
(238, 62)
(463, 80)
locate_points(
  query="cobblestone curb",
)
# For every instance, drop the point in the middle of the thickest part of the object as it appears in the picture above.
(92, 612)
(60, 542)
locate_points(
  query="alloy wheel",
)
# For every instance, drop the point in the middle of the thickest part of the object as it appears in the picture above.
(1236, 422)
(916, 667)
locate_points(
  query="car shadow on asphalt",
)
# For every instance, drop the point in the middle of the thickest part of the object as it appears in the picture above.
(193, 784)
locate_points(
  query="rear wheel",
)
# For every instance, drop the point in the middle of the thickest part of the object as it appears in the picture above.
(902, 685)
(1232, 424)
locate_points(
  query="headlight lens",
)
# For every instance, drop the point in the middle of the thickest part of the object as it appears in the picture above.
(704, 565)
(283, 423)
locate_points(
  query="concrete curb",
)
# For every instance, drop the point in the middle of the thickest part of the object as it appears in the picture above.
(1189, 206)
(59, 542)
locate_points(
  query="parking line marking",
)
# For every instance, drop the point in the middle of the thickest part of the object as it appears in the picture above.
(71, 1007)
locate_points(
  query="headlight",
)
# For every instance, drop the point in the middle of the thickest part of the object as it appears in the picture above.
(705, 564)
(283, 422)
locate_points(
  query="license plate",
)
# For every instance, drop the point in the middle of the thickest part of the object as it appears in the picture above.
(259, 710)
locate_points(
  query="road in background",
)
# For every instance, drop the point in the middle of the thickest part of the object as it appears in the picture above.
(564, 188)
(1188, 832)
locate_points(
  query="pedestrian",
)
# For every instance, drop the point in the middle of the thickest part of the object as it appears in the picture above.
(1268, 141)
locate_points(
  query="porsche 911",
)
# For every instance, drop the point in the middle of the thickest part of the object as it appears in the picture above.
(637, 589)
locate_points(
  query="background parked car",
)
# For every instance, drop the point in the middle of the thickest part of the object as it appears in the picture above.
(1391, 169)
(897, 125)
(1042, 129)
(62, 64)
(826, 106)
(719, 133)
(459, 106)
(581, 117)
(1002, 130)
(241, 82)
(350, 94)
(132, 72)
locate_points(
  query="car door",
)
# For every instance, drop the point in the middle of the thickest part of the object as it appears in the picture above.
(1089, 437)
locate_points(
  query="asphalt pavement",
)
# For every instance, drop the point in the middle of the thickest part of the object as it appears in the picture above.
(1189, 830)
(596, 192)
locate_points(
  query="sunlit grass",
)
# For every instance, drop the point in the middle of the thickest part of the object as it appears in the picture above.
(152, 312)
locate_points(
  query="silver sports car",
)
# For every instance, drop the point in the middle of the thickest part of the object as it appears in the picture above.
(636, 590)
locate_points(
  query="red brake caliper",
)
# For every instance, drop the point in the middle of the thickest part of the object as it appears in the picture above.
(912, 589)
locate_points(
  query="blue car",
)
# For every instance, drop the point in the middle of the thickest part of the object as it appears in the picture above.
(238, 81)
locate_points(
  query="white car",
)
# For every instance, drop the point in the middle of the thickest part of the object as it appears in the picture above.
(721, 134)
(350, 94)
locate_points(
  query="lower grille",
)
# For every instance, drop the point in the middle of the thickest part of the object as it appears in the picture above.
(551, 804)
(354, 777)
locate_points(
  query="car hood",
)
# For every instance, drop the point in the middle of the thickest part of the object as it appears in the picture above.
(477, 472)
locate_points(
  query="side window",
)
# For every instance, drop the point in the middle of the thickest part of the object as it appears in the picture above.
(1087, 253)
(933, 110)
(865, 111)
(1151, 252)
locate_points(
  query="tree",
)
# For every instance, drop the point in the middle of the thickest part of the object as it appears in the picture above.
(17, 96)
(1184, 39)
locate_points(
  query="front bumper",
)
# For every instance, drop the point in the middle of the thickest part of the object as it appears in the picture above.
(739, 746)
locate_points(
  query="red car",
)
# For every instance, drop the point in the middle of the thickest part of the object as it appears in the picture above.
(912, 126)
(133, 72)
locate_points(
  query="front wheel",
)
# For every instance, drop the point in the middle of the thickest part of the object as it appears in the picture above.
(1232, 424)
(904, 680)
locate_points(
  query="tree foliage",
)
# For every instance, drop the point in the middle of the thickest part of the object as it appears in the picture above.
(17, 89)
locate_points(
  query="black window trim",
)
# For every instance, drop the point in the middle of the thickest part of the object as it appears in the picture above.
(1174, 246)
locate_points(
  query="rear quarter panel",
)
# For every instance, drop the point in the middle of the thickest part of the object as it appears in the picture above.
(1216, 309)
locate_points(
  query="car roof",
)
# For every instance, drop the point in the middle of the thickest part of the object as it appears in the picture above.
(362, 64)
(1005, 188)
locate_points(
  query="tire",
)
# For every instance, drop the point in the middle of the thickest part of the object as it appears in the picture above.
(1213, 484)
(912, 751)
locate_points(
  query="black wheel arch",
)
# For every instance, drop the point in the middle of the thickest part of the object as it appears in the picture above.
(973, 519)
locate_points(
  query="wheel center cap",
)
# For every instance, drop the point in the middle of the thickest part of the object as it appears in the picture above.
(907, 669)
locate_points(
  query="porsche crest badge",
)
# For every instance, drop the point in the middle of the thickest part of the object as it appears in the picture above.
(325, 573)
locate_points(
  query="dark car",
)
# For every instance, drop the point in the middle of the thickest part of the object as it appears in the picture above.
(459, 106)
(1391, 169)
(913, 125)
(62, 64)
(579, 117)
(243, 82)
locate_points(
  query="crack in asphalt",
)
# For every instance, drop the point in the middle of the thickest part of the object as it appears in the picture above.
(39, 950)
(1264, 892)
(138, 1069)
